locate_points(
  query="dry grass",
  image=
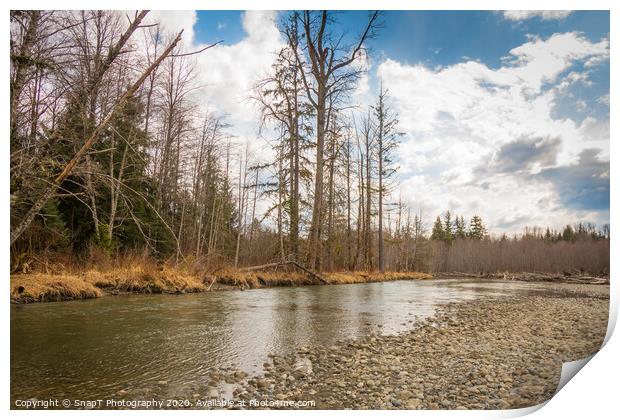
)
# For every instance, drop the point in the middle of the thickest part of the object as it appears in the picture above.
(258, 279)
(134, 278)
(145, 279)
(144, 276)
(350, 277)
(28, 288)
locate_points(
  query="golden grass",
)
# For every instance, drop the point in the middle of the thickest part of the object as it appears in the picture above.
(258, 279)
(145, 279)
(351, 277)
(28, 288)
(143, 276)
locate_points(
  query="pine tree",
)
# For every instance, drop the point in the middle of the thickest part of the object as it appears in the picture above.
(476, 228)
(438, 233)
(460, 228)
(568, 234)
(447, 227)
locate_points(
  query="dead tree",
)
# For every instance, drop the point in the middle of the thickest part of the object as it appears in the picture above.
(328, 73)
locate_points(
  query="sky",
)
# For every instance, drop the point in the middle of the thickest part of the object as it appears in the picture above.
(504, 114)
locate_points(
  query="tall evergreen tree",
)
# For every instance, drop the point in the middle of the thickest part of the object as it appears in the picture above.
(476, 228)
(568, 234)
(438, 232)
(460, 232)
(448, 227)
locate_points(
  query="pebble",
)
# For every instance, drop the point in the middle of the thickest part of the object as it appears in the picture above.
(490, 353)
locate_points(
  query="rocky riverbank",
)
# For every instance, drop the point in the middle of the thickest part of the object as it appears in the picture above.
(496, 353)
(575, 277)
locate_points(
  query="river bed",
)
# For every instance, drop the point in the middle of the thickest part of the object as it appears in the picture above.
(92, 349)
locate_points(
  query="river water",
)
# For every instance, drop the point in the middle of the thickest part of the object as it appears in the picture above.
(91, 349)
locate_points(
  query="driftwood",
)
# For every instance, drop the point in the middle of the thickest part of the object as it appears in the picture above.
(283, 263)
(213, 280)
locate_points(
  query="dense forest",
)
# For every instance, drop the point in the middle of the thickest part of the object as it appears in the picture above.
(113, 153)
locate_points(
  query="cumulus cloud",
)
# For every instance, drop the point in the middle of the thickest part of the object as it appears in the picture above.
(172, 21)
(604, 99)
(572, 79)
(227, 72)
(517, 15)
(583, 185)
(541, 61)
(524, 154)
(473, 132)
(478, 139)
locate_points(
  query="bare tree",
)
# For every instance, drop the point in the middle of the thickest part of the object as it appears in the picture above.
(329, 72)
(386, 136)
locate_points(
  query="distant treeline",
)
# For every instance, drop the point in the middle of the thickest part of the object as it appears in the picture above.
(452, 247)
(468, 247)
(523, 254)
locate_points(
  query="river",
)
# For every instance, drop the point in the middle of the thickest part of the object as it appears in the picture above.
(91, 349)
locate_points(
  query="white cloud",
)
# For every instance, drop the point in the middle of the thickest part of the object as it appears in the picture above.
(172, 21)
(595, 130)
(581, 105)
(540, 61)
(603, 99)
(229, 71)
(573, 78)
(456, 119)
(543, 14)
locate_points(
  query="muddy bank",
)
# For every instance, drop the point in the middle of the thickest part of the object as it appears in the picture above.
(495, 353)
(44, 287)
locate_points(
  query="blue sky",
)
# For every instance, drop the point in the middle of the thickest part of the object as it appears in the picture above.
(432, 37)
(469, 86)
(443, 38)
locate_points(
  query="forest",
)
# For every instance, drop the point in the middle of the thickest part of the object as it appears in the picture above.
(114, 156)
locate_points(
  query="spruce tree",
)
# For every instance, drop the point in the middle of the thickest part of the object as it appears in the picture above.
(438, 233)
(447, 223)
(460, 228)
(568, 234)
(476, 228)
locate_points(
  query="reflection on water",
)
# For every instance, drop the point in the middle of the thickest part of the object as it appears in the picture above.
(93, 348)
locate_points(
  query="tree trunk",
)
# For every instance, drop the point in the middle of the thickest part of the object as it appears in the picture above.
(23, 62)
(315, 227)
(368, 229)
(380, 210)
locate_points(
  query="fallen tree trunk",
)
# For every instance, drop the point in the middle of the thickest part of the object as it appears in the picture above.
(283, 263)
